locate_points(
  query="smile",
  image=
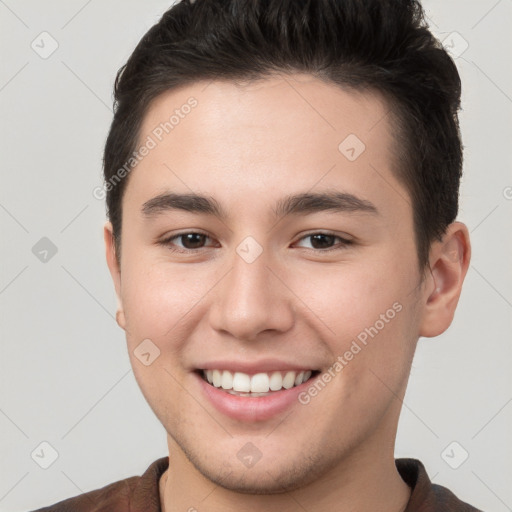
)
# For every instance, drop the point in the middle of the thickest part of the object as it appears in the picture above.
(258, 384)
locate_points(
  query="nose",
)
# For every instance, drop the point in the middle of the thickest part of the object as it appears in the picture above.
(251, 300)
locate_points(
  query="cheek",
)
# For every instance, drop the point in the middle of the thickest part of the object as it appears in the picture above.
(159, 302)
(368, 315)
(371, 321)
(158, 297)
(352, 296)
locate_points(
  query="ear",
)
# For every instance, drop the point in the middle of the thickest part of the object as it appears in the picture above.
(115, 270)
(449, 262)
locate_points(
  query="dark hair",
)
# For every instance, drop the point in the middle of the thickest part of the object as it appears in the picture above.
(378, 45)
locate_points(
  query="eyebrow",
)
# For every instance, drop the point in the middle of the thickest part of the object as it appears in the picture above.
(305, 203)
(297, 204)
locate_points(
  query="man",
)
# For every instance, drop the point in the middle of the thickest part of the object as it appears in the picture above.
(282, 186)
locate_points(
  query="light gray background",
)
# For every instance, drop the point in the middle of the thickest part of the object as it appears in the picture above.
(65, 376)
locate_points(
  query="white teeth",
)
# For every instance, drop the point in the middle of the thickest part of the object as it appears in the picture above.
(241, 382)
(289, 380)
(216, 378)
(276, 381)
(258, 383)
(227, 380)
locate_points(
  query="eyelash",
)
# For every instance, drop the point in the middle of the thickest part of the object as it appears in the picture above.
(343, 242)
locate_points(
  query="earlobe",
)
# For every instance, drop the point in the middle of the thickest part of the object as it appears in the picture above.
(120, 319)
(115, 271)
(449, 262)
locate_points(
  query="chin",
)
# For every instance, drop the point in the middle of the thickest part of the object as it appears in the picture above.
(273, 476)
(260, 483)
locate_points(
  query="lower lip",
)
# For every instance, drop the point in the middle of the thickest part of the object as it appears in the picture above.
(253, 409)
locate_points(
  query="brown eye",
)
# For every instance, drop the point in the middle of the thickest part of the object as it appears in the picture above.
(186, 242)
(192, 240)
(325, 241)
(321, 241)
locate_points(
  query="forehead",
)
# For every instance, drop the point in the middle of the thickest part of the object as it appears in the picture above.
(284, 107)
(285, 132)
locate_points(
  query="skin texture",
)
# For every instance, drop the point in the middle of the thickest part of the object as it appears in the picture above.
(247, 146)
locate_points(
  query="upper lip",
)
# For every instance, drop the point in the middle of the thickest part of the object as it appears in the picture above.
(252, 367)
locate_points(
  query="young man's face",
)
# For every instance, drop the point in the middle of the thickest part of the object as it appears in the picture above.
(265, 292)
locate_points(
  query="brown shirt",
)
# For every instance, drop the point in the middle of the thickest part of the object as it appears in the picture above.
(141, 493)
